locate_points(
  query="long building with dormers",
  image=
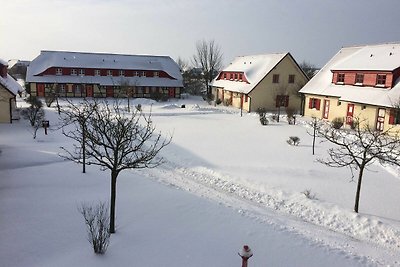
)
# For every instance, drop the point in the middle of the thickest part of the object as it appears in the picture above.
(77, 74)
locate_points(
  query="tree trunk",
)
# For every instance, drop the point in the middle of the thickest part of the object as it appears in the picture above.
(83, 150)
(313, 141)
(360, 175)
(113, 197)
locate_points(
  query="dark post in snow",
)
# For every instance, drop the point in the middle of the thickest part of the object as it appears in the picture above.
(245, 254)
(45, 125)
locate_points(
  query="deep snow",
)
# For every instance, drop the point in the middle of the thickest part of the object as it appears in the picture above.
(227, 181)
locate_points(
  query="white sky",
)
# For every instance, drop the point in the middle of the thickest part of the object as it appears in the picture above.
(312, 30)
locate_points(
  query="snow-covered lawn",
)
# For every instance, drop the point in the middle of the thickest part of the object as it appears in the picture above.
(227, 181)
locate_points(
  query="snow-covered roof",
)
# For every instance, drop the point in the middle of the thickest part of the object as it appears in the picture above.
(48, 59)
(11, 85)
(358, 58)
(385, 57)
(254, 67)
(3, 62)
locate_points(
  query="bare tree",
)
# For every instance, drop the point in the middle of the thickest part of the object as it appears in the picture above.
(359, 148)
(209, 58)
(127, 90)
(183, 65)
(34, 113)
(118, 141)
(76, 116)
(308, 68)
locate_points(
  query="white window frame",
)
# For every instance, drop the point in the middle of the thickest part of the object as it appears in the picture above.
(59, 71)
(81, 72)
(74, 72)
(109, 73)
(97, 73)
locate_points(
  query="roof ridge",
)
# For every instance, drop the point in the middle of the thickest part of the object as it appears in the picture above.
(101, 53)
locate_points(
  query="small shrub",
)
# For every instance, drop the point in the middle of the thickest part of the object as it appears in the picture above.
(97, 221)
(293, 141)
(49, 99)
(264, 120)
(308, 194)
(262, 114)
(354, 124)
(290, 115)
(228, 102)
(337, 123)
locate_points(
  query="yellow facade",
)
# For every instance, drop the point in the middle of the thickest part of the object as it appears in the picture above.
(7, 104)
(263, 95)
(366, 114)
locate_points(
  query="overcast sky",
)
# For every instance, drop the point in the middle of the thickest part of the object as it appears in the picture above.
(312, 30)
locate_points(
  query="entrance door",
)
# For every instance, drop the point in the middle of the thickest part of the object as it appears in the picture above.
(89, 90)
(40, 89)
(109, 91)
(326, 109)
(380, 121)
(350, 112)
(171, 92)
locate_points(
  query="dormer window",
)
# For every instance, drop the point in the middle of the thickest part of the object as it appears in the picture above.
(236, 76)
(381, 79)
(81, 72)
(143, 74)
(73, 72)
(109, 73)
(121, 73)
(156, 74)
(359, 78)
(58, 71)
(136, 73)
(97, 73)
(240, 77)
(340, 78)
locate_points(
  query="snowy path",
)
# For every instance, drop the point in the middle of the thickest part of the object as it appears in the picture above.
(273, 208)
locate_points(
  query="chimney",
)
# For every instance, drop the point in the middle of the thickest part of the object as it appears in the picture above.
(3, 71)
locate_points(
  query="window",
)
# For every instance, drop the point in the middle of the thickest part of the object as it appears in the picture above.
(291, 78)
(155, 74)
(81, 72)
(121, 73)
(394, 117)
(282, 101)
(109, 73)
(275, 78)
(62, 89)
(236, 76)
(340, 78)
(58, 71)
(77, 89)
(231, 76)
(224, 76)
(143, 74)
(240, 77)
(381, 79)
(73, 72)
(359, 78)
(97, 73)
(314, 103)
(136, 73)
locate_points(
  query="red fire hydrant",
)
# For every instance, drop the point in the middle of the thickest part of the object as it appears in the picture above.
(245, 254)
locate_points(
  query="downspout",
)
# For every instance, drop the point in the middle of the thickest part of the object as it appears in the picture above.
(10, 108)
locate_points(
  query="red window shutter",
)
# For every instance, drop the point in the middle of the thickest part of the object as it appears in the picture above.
(391, 117)
(310, 103)
(318, 104)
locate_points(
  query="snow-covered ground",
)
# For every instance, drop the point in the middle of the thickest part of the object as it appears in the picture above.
(227, 181)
